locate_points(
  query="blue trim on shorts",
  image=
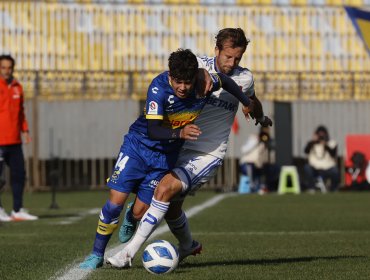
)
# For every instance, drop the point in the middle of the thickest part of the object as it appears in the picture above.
(187, 176)
(207, 170)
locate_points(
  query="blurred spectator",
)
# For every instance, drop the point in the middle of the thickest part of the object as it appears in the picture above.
(12, 123)
(322, 160)
(256, 162)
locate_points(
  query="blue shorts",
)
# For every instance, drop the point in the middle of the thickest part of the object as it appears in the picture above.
(139, 169)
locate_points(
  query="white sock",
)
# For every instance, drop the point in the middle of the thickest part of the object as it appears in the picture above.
(180, 228)
(149, 222)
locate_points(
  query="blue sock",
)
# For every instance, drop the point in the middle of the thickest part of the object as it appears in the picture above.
(108, 222)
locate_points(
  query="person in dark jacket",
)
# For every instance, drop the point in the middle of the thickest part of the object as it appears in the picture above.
(322, 159)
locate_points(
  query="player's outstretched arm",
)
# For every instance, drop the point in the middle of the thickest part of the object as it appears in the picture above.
(230, 86)
(257, 113)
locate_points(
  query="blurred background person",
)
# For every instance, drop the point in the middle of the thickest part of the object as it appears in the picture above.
(13, 123)
(257, 162)
(322, 160)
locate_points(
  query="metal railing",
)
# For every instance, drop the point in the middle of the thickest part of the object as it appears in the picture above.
(63, 175)
(66, 85)
(90, 172)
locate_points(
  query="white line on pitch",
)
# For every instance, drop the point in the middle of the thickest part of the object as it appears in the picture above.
(73, 272)
(74, 219)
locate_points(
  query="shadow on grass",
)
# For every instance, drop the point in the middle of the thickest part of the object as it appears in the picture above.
(270, 261)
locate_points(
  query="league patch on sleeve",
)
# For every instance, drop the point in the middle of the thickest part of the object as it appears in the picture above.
(153, 108)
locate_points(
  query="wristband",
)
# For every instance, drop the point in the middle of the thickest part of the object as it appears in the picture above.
(176, 134)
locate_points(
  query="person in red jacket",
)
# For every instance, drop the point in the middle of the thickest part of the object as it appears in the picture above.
(13, 123)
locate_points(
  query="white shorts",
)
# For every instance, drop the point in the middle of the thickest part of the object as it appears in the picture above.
(195, 168)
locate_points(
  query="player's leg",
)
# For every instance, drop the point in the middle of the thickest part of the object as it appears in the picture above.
(134, 212)
(194, 169)
(168, 187)
(128, 172)
(108, 222)
(142, 202)
(186, 161)
(178, 223)
(164, 187)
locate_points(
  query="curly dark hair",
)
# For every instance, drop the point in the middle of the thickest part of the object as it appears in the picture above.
(183, 65)
(234, 35)
(7, 57)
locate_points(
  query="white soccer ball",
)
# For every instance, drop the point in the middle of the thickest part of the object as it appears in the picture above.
(160, 257)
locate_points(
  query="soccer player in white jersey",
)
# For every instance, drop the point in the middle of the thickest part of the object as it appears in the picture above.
(198, 160)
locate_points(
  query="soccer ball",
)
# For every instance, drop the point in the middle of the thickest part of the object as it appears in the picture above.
(160, 257)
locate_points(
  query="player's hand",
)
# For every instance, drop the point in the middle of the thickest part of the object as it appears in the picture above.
(190, 132)
(265, 121)
(248, 110)
(204, 82)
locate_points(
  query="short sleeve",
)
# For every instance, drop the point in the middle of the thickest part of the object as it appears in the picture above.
(250, 89)
(155, 101)
(246, 80)
(202, 62)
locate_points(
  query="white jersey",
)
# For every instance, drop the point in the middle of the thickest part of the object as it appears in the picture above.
(218, 115)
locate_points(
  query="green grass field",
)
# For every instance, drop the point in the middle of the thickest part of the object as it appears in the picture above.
(244, 237)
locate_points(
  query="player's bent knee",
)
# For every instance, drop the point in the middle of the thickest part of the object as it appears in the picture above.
(166, 190)
(118, 198)
(138, 212)
(162, 192)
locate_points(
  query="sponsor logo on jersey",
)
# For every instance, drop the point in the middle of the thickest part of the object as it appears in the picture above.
(155, 90)
(171, 99)
(176, 123)
(192, 166)
(169, 109)
(153, 108)
(115, 175)
(221, 104)
(153, 184)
